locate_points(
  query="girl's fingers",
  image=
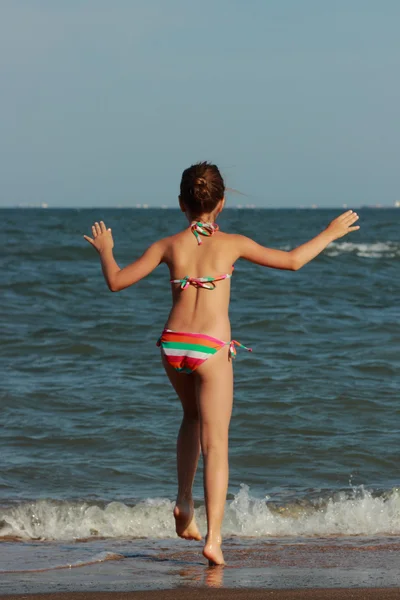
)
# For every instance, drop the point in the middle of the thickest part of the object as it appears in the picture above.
(350, 214)
(344, 222)
(350, 221)
(348, 225)
(345, 215)
(98, 229)
(94, 232)
(88, 239)
(352, 218)
(102, 227)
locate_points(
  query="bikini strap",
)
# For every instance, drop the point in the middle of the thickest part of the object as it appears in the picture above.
(203, 282)
(198, 228)
(232, 349)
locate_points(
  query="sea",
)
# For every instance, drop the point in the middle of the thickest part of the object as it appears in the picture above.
(89, 420)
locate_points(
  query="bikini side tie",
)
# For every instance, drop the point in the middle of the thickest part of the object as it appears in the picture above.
(232, 349)
(198, 228)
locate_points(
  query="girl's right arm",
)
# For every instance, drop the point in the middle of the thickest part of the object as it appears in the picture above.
(116, 278)
(295, 259)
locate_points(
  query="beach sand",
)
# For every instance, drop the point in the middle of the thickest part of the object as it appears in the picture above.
(225, 594)
(307, 569)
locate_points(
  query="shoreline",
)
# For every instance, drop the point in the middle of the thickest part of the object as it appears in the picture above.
(296, 568)
(223, 594)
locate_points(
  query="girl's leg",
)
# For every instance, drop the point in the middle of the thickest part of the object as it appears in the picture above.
(214, 386)
(188, 451)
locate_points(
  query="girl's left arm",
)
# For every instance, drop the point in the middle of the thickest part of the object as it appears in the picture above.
(116, 278)
(294, 259)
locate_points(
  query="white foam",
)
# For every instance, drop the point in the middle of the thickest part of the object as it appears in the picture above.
(55, 520)
(358, 513)
(371, 250)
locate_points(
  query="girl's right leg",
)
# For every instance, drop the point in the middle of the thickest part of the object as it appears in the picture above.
(214, 387)
(188, 451)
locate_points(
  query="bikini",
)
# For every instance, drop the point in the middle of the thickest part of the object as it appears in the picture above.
(184, 351)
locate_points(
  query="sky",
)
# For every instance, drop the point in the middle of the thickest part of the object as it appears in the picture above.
(104, 103)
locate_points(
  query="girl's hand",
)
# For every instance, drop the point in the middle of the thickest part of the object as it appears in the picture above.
(102, 238)
(343, 225)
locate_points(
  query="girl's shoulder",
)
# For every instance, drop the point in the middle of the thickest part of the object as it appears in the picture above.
(174, 240)
(233, 238)
(186, 234)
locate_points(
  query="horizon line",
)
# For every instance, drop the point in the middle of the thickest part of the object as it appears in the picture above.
(46, 206)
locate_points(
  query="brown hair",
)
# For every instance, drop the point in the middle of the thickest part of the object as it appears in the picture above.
(202, 187)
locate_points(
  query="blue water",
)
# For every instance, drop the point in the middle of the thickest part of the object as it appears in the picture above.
(89, 419)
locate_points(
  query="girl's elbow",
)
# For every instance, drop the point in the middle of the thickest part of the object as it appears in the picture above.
(113, 286)
(117, 286)
(294, 263)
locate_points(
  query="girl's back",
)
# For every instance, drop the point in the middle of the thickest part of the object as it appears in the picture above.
(197, 308)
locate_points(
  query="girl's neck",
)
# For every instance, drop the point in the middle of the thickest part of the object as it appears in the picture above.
(210, 218)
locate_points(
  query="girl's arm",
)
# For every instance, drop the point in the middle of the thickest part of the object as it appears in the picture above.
(295, 259)
(117, 279)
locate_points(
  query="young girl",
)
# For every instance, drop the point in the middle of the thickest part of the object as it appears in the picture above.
(196, 344)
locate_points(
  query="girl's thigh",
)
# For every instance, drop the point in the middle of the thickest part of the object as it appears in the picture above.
(214, 391)
(185, 388)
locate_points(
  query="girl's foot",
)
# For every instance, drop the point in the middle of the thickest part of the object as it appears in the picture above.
(185, 524)
(212, 551)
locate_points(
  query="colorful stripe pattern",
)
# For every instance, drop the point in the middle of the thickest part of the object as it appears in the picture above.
(198, 228)
(185, 352)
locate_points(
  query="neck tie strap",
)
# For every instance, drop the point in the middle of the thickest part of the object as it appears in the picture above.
(198, 228)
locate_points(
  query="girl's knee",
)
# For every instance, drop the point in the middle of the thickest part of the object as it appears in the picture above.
(216, 445)
(192, 417)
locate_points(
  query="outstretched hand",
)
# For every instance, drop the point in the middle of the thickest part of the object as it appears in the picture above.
(343, 224)
(102, 237)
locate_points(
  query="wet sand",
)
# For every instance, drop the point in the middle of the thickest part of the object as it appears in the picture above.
(225, 594)
(278, 569)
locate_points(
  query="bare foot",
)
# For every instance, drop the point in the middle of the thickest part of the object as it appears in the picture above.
(212, 551)
(185, 524)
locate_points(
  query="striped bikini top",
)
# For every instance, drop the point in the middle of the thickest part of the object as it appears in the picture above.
(198, 228)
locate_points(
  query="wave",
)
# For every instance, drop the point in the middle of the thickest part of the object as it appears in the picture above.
(98, 558)
(355, 512)
(371, 250)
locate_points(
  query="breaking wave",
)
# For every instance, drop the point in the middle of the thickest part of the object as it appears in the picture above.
(353, 512)
(371, 250)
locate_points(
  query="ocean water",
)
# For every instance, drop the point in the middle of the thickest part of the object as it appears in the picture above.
(89, 421)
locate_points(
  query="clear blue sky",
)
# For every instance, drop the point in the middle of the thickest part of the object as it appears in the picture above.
(106, 102)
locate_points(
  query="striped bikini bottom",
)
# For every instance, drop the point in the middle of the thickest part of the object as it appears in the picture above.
(185, 352)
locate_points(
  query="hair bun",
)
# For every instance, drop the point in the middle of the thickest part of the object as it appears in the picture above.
(202, 187)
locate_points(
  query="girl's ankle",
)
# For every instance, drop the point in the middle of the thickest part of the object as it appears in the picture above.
(214, 539)
(184, 500)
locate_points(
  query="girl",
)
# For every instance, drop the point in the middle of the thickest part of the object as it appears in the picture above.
(196, 345)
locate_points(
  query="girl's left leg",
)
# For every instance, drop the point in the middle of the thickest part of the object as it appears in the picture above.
(188, 452)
